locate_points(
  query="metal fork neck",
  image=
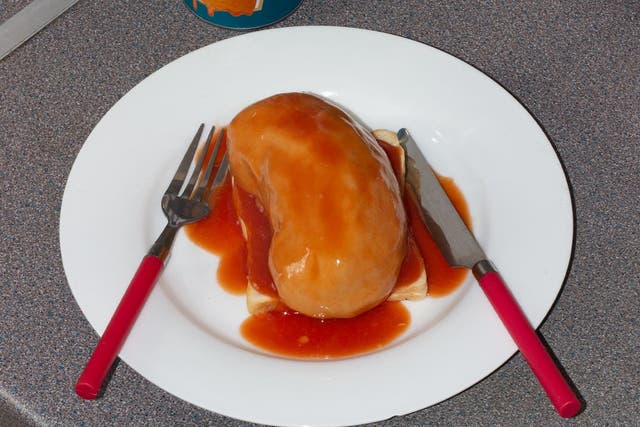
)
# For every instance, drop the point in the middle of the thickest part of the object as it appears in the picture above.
(163, 243)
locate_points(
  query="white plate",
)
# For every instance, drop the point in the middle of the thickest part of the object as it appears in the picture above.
(186, 340)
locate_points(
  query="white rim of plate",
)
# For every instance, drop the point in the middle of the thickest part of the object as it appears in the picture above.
(262, 390)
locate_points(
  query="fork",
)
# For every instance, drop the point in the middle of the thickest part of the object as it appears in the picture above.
(180, 208)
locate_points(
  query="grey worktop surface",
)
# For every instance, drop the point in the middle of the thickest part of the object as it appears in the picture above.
(575, 65)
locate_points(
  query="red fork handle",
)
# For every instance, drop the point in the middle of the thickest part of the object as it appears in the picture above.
(123, 318)
(534, 352)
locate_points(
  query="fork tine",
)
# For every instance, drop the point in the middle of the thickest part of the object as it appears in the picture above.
(203, 183)
(181, 173)
(221, 172)
(198, 169)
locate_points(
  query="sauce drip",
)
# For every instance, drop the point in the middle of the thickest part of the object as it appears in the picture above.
(411, 265)
(220, 232)
(258, 240)
(395, 154)
(286, 332)
(292, 334)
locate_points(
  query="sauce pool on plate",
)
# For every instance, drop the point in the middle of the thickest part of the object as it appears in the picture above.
(293, 334)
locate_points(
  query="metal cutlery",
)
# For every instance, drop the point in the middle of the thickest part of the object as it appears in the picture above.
(180, 207)
(461, 249)
(28, 21)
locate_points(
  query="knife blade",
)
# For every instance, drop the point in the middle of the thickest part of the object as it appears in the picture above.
(457, 244)
(460, 248)
(28, 21)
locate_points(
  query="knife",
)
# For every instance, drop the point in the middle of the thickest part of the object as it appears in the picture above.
(24, 24)
(461, 249)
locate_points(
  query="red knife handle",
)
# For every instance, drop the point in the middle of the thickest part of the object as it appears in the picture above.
(534, 352)
(123, 318)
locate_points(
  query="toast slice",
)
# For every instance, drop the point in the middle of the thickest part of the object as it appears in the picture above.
(415, 289)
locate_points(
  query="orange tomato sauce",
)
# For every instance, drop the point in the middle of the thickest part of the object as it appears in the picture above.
(289, 333)
(293, 334)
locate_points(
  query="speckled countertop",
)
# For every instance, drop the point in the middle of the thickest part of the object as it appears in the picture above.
(575, 65)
